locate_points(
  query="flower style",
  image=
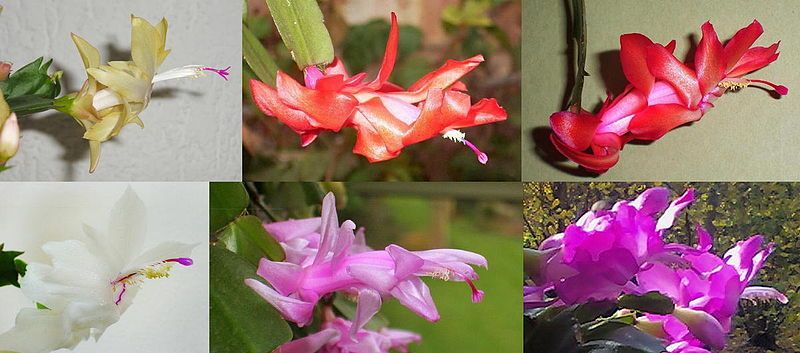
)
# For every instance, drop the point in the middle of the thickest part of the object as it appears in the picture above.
(115, 94)
(386, 116)
(324, 257)
(336, 336)
(595, 258)
(9, 132)
(706, 293)
(90, 284)
(663, 93)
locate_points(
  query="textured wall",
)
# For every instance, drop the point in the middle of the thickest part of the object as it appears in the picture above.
(167, 315)
(192, 127)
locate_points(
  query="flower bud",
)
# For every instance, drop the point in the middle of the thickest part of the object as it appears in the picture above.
(9, 138)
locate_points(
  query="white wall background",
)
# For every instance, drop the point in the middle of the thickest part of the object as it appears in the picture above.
(168, 315)
(192, 127)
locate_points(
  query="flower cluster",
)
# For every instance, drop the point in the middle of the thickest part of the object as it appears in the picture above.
(663, 93)
(387, 117)
(324, 257)
(115, 94)
(90, 284)
(607, 253)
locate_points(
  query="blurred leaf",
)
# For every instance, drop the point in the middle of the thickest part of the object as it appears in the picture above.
(260, 26)
(302, 29)
(11, 268)
(624, 339)
(348, 309)
(469, 13)
(247, 237)
(227, 201)
(32, 80)
(241, 321)
(650, 302)
(553, 330)
(259, 60)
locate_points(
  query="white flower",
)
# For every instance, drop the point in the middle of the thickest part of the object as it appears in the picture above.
(90, 283)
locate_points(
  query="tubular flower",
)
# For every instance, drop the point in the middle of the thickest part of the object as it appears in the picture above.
(336, 336)
(115, 94)
(90, 284)
(707, 292)
(386, 116)
(663, 93)
(9, 132)
(596, 258)
(332, 260)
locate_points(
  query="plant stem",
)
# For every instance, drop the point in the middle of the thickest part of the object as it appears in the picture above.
(579, 38)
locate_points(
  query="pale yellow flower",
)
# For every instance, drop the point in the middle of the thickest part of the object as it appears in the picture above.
(114, 94)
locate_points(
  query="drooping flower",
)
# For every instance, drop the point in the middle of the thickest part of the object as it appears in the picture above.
(338, 336)
(115, 94)
(663, 93)
(596, 258)
(91, 283)
(332, 263)
(707, 292)
(9, 132)
(386, 116)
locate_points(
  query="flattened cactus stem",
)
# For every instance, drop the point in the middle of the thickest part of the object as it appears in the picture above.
(579, 43)
(302, 29)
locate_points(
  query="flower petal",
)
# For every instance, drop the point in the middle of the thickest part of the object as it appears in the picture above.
(295, 310)
(574, 130)
(741, 41)
(440, 111)
(709, 61)
(389, 56)
(416, 296)
(633, 56)
(703, 326)
(311, 343)
(596, 163)
(657, 120)
(677, 205)
(764, 293)
(664, 66)
(441, 78)
(329, 109)
(754, 59)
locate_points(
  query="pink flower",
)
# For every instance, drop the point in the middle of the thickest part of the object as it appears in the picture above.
(342, 336)
(332, 259)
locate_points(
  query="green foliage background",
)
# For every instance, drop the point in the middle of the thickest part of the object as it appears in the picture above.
(730, 212)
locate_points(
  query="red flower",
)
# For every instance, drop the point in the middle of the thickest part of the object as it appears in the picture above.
(663, 93)
(386, 116)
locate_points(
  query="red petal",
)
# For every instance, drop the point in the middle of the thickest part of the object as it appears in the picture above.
(741, 41)
(666, 67)
(330, 83)
(597, 164)
(440, 111)
(754, 59)
(486, 111)
(329, 109)
(390, 128)
(370, 143)
(337, 68)
(633, 55)
(574, 130)
(266, 99)
(670, 46)
(708, 60)
(389, 55)
(441, 78)
(657, 120)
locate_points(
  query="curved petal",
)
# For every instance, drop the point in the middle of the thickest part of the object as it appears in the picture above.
(741, 41)
(616, 117)
(389, 128)
(703, 326)
(267, 100)
(440, 111)
(311, 343)
(574, 130)
(295, 310)
(389, 56)
(595, 163)
(709, 60)
(764, 293)
(664, 66)
(416, 296)
(369, 302)
(442, 78)
(657, 120)
(633, 56)
(283, 276)
(675, 208)
(754, 59)
(329, 109)
(370, 142)
(38, 331)
(285, 230)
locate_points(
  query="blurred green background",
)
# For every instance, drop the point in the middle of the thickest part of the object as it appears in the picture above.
(432, 31)
(479, 217)
(730, 212)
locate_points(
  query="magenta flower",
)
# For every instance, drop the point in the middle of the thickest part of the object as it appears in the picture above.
(706, 293)
(598, 255)
(333, 259)
(336, 336)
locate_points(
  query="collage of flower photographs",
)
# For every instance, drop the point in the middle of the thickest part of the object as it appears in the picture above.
(399, 176)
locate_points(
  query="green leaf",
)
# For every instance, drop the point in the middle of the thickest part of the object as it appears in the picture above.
(241, 321)
(650, 302)
(348, 308)
(32, 80)
(259, 60)
(554, 330)
(247, 237)
(11, 268)
(41, 306)
(29, 104)
(227, 201)
(625, 339)
(302, 29)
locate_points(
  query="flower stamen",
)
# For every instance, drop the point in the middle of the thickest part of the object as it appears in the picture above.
(458, 136)
(737, 85)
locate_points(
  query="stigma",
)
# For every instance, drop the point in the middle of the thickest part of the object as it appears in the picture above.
(190, 71)
(736, 85)
(155, 271)
(458, 136)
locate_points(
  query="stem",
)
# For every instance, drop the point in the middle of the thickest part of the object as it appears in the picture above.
(579, 38)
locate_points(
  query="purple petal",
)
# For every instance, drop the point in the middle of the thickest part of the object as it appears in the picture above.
(405, 262)
(369, 302)
(764, 293)
(453, 255)
(377, 277)
(651, 201)
(291, 309)
(283, 276)
(311, 343)
(416, 296)
(704, 240)
(677, 205)
(329, 230)
(703, 326)
(286, 230)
